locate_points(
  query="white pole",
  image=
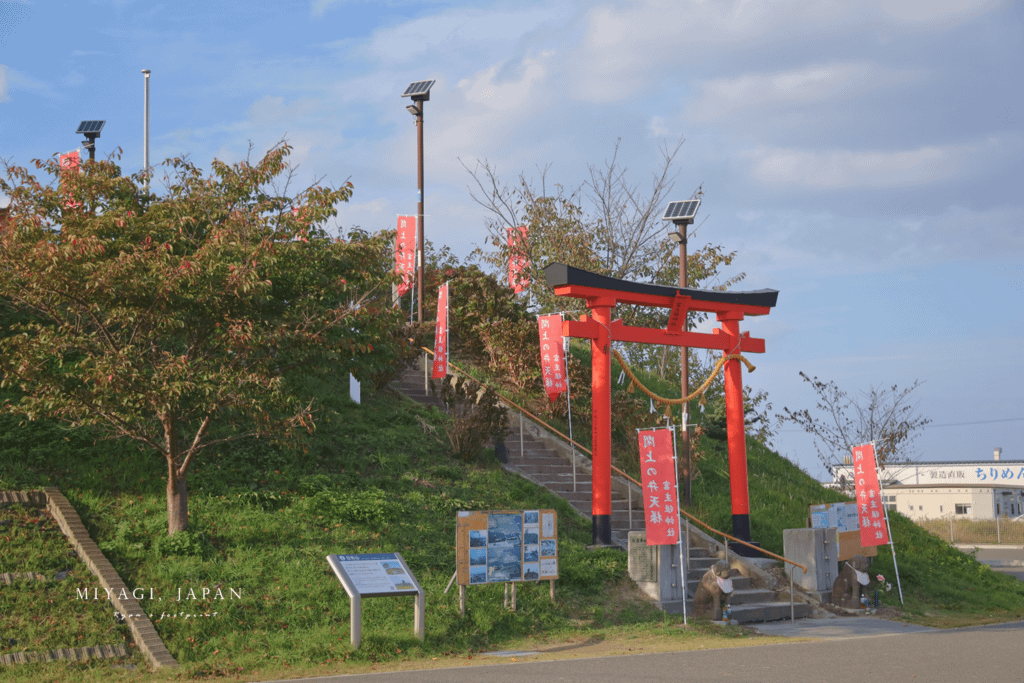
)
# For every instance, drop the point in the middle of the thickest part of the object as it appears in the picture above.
(888, 526)
(679, 524)
(145, 125)
(568, 403)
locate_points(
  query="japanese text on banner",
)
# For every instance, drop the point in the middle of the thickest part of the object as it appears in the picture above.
(405, 252)
(441, 334)
(518, 263)
(552, 360)
(870, 507)
(658, 475)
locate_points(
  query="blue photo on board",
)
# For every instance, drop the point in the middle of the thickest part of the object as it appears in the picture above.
(477, 539)
(531, 516)
(547, 548)
(478, 575)
(477, 556)
(530, 537)
(504, 564)
(530, 555)
(504, 529)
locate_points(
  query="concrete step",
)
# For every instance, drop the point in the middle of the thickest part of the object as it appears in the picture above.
(755, 612)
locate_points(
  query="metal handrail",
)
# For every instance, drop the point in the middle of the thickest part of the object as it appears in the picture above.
(639, 485)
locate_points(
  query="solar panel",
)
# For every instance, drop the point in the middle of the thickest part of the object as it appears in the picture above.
(681, 211)
(90, 128)
(418, 89)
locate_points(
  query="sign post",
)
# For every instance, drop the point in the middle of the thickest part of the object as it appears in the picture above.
(373, 576)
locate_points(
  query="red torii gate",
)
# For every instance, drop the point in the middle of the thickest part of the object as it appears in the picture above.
(602, 295)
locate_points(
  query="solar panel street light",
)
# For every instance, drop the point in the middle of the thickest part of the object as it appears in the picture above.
(91, 131)
(419, 91)
(682, 214)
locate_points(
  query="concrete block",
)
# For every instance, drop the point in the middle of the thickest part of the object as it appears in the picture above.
(815, 549)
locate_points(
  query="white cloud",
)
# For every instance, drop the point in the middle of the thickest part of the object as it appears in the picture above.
(508, 94)
(848, 169)
(930, 11)
(4, 97)
(749, 95)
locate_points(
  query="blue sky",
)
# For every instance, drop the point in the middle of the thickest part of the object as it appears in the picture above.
(864, 158)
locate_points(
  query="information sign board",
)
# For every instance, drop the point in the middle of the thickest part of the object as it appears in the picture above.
(501, 546)
(377, 575)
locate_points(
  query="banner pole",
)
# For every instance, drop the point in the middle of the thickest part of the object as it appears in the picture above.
(679, 524)
(888, 526)
(568, 403)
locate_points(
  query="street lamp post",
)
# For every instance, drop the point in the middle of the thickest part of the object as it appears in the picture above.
(145, 126)
(419, 91)
(91, 131)
(681, 214)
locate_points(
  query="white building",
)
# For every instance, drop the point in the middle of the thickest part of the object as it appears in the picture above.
(930, 490)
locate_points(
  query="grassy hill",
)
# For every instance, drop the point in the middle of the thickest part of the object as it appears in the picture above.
(380, 478)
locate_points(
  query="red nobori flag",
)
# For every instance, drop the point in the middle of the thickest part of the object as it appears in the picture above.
(69, 162)
(552, 362)
(870, 509)
(658, 473)
(518, 264)
(441, 334)
(405, 252)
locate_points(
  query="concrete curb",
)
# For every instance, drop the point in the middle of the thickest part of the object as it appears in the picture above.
(143, 632)
(78, 654)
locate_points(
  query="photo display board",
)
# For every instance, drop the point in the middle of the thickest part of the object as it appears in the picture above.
(499, 546)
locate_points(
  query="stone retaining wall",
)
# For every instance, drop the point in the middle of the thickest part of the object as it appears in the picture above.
(143, 632)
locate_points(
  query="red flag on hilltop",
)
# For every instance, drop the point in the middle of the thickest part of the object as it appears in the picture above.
(518, 264)
(658, 473)
(552, 360)
(870, 508)
(441, 334)
(405, 252)
(69, 162)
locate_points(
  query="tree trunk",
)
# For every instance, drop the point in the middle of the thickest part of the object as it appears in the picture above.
(177, 492)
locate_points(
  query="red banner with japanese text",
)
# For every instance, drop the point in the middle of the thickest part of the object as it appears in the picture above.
(69, 162)
(870, 508)
(658, 475)
(518, 264)
(405, 252)
(441, 334)
(552, 358)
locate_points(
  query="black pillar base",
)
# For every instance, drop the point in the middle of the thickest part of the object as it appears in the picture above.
(602, 530)
(741, 530)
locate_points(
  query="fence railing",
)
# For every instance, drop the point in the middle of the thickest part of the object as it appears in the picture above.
(584, 449)
(998, 531)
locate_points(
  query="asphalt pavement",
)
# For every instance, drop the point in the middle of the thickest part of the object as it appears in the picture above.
(846, 650)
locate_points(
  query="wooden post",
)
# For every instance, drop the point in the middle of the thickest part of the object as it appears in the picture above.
(552, 582)
(462, 600)
(513, 597)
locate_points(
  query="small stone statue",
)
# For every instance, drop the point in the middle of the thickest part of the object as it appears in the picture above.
(714, 592)
(853, 576)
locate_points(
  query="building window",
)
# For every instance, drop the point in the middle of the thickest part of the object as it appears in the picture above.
(940, 508)
(963, 509)
(920, 507)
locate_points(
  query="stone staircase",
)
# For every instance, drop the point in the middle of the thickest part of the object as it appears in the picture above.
(533, 453)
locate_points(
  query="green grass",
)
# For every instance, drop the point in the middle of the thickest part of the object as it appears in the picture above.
(379, 478)
(39, 615)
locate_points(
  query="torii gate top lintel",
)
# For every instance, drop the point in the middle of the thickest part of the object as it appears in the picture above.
(569, 281)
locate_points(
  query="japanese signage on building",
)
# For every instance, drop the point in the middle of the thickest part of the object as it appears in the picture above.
(441, 334)
(552, 360)
(518, 263)
(405, 252)
(870, 511)
(658, 476)
(506, 545)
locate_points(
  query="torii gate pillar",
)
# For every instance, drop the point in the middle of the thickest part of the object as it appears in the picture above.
(601, 444)
(736, 433)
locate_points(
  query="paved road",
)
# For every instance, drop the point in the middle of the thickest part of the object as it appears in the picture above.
(984, 653)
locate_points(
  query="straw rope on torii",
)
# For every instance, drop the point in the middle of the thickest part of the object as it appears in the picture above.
(634, 382)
